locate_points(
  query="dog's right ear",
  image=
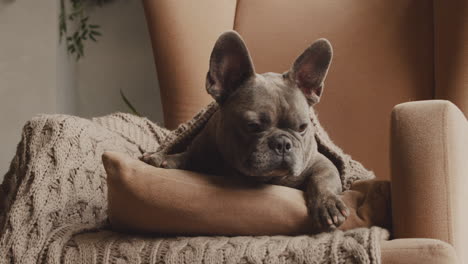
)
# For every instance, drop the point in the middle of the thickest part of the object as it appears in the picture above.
(230, 66)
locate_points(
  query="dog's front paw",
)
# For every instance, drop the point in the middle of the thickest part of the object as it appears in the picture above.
(154, 158)
(328, 211)
(163, 161)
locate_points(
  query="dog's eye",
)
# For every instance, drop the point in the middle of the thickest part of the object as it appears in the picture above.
(302, 128)
(254, 127)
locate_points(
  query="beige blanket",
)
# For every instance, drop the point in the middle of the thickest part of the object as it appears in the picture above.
(53, 204)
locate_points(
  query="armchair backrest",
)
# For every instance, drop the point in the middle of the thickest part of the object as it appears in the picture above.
(384, 54)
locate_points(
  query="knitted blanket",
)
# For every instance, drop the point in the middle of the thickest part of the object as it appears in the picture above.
(53, 202)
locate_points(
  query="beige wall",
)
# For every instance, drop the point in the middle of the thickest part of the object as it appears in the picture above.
(37, 76)
(122, 59)
(28, 46)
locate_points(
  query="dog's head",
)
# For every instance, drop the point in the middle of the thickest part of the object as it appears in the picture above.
(265, 127)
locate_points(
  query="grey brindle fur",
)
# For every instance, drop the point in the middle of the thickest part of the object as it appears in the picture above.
(263, 130)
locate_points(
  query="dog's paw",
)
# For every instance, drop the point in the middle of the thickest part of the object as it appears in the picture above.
(161, 160)
(328, 211)
(155, 159)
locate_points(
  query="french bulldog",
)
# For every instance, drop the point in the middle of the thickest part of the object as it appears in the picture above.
(263, 130)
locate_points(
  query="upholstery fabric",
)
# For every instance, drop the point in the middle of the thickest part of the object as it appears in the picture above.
(451, 52)
(186, 32)
(417, 251)
(429, 168)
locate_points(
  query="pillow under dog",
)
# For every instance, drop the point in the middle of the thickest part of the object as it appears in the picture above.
(146, 199)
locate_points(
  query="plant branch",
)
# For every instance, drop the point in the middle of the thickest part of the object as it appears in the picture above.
(84, 30)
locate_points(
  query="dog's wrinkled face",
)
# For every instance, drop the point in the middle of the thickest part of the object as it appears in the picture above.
(265, 128)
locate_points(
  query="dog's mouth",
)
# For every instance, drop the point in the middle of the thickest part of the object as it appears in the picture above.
(277, 173)
(283, 169)
(262, 163)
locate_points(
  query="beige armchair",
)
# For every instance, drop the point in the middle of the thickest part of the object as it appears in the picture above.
(386, 53)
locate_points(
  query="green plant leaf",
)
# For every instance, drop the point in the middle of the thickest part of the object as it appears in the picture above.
(96, 33)
(129, 105)
(84, 31)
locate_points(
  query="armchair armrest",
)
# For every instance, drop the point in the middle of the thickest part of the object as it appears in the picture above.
(429, 161)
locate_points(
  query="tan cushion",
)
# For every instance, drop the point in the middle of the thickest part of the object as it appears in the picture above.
(417, 251)
(146, 199)
(430, 172)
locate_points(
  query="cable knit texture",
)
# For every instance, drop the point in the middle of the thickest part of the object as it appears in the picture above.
(53, 201)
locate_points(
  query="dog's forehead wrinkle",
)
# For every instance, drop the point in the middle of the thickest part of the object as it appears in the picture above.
(259, 94)
(294, 107)
(268, 95)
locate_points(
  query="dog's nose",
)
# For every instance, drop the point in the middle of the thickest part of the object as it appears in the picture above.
(280, 144)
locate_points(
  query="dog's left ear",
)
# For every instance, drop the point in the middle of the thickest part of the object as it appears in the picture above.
(230, 66)
(310, 69)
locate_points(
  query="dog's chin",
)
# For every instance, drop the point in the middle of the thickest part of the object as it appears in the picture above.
(253, 172)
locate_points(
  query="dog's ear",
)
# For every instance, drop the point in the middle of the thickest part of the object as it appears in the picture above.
(310, 69)
(230, 66)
